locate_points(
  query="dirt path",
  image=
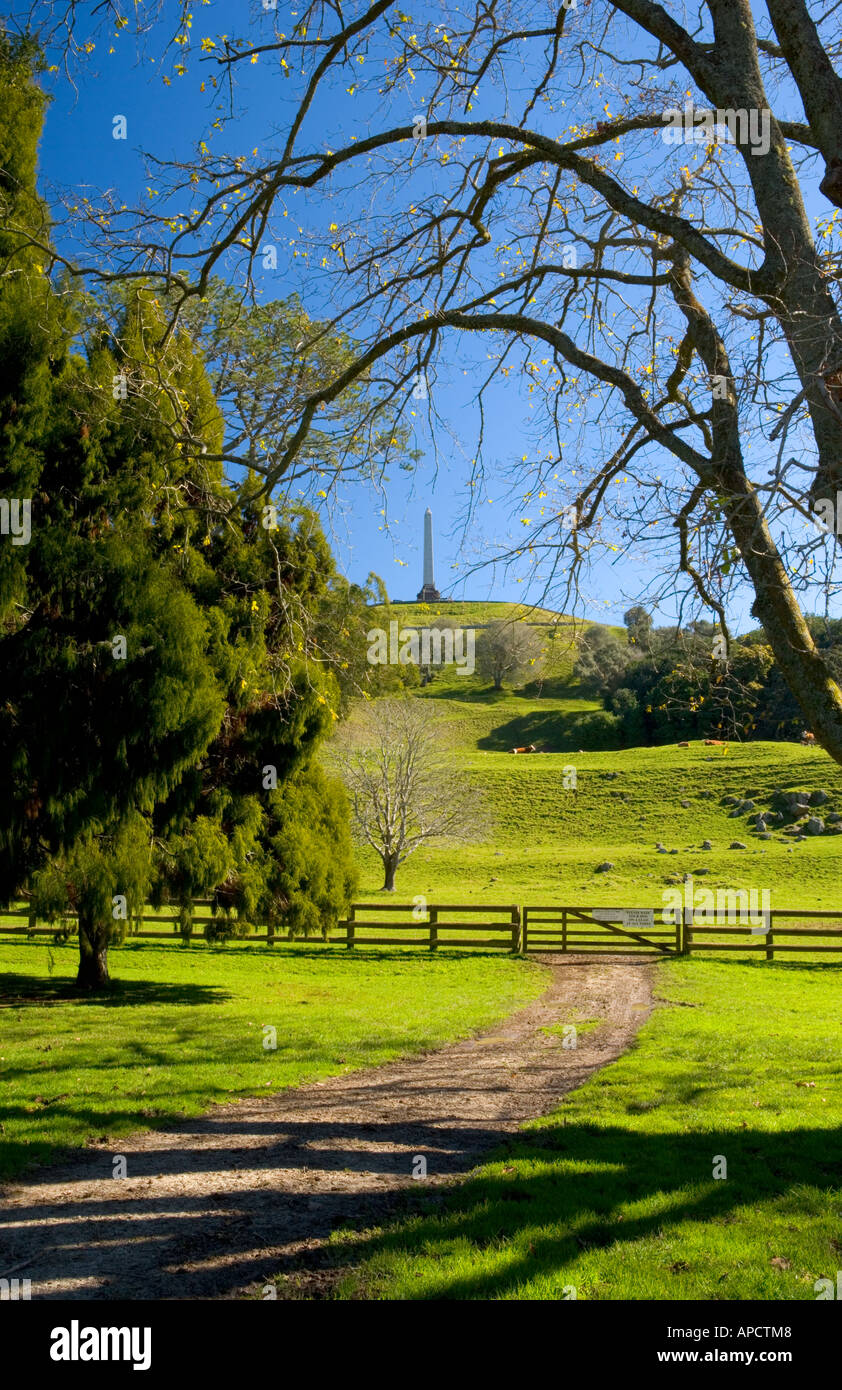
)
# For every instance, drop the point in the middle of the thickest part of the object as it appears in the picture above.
(218, 1204)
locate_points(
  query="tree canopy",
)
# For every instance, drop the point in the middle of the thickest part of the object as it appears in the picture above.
(618, 203)
(172, 650)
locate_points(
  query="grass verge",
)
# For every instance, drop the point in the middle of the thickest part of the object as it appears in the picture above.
(614, 1196)
(183, 1029)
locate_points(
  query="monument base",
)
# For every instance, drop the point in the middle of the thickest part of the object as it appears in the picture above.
(429, 594)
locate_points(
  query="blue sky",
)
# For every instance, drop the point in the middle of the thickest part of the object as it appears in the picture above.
(367, 532)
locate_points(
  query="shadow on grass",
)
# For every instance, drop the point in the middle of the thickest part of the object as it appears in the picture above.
(470, 695)
(565, 1199)
(549, 728)
(24, 991)
(555, 688)
(302, 949)
(536, 1224)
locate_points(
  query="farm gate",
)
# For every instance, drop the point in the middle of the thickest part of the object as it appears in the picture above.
(597, 929)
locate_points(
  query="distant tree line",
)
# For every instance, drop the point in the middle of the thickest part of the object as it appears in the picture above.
(671, 683)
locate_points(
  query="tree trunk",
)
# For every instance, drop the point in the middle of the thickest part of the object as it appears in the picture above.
(185, 922)
(801, 664)
(775, 604)
(93, 953)
(798, 292)
(390, 864)
(818, 84)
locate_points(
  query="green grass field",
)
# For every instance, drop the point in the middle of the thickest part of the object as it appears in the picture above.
(558, 634)
(468, 611)
(613, 1196)
(184, 1028)
(537, 841)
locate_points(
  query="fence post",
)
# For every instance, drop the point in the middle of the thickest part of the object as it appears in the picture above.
(349, 928)
(433, 915)
(515, 929)
(688, 932)
(524, 931)
(564, 929)
(770, 940)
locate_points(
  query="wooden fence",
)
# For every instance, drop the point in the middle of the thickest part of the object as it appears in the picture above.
(431, 926)
(546, 929)
(567, 929)
(767, 938)
(421, 932)
(167, 924)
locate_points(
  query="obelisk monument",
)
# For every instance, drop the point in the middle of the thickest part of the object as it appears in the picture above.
(429, 593)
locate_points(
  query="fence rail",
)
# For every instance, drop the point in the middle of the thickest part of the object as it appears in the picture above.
(575, 928)
(429, 922)
(429, 927)
(543, 928)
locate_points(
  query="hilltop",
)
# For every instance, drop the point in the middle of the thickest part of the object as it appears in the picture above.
(479, 611)
(542, 840)
(559, 632)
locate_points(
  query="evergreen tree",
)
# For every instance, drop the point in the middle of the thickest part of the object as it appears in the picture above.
(259, 791)
(169, 663)
(107, 691)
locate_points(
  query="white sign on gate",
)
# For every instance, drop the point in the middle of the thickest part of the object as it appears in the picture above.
(637, 918)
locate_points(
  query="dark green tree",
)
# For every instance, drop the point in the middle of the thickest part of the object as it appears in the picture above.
(601, 661)
(638, 622)
(170, 655)
(258, 804)
(107, 692)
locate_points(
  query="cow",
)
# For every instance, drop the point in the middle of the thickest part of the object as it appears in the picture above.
(713, 743)
(684, 745)
(530, 748)
(808, 739)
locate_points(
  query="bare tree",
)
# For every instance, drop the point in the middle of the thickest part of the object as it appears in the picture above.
(519, 185)
(507, 650)
(404, 789)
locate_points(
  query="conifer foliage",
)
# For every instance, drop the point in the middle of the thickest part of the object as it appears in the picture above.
(161, 696)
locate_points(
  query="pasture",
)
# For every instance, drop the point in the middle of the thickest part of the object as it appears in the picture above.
(621, 1193)
(539, 841)
(184, 1029)
(613, 1194)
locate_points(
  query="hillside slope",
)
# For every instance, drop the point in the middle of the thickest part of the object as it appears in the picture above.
(539, 841)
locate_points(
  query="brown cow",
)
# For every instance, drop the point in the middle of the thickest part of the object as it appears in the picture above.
(713, 743)
(684, 745)
(530, 748)
(808, 739)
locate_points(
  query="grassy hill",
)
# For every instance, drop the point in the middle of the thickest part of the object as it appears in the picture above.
(538, 842)
(468, 612)
(559, 632)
